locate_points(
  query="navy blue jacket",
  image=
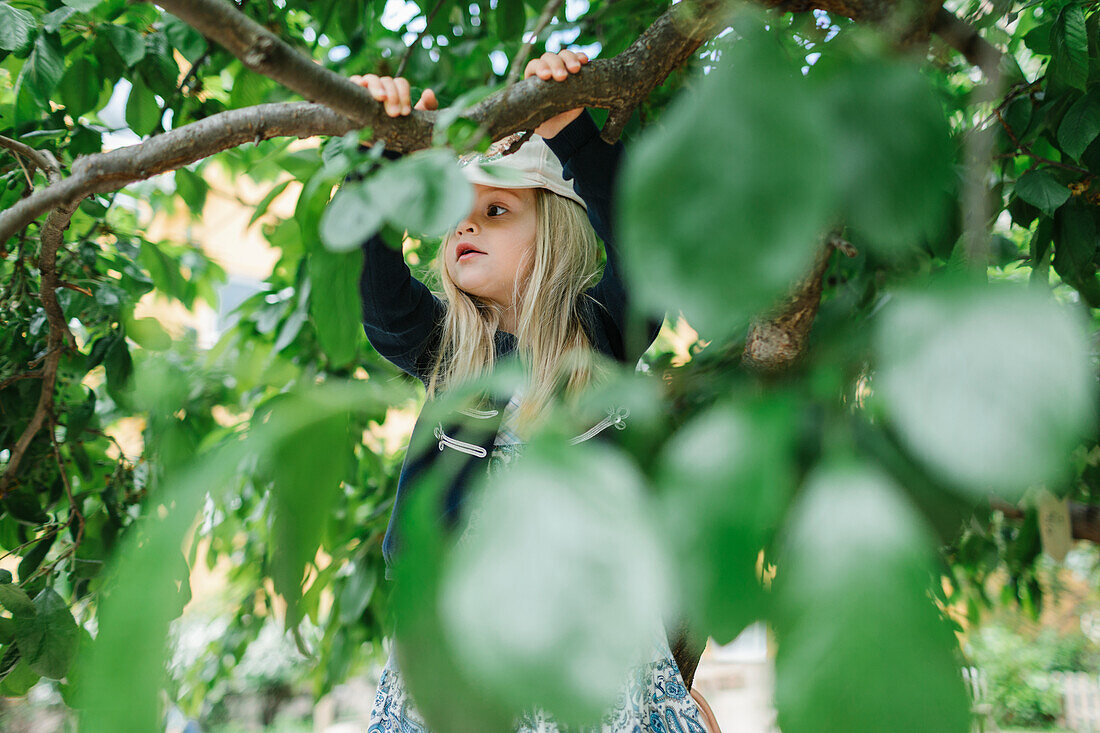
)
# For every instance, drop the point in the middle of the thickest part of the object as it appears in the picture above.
(403, 321)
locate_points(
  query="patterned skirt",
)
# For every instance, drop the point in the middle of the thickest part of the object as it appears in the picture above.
(653, 700)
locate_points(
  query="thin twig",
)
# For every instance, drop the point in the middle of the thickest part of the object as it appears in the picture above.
(520, 58)
(17, 377)
(26, 173)
(51, 529)
(68, 491)
(77, 288)
(409, 51)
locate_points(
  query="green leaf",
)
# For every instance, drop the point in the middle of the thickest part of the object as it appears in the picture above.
(47, 639)
(1069, 61)
(557, 588)
(82, 6)
(191, 186)
(36, 555)
(1075, 238)
(80, 86)
(352, 216)
(265, 202)
(1080, 125)
(896, 163)
(15, 600)
(19, 680)
(853, 610)
(307, 469)
(53, 20)
(128, 42)
(142, 111)
(438, 197)
(118, 365)
(184, 38)
(989, 387)
(249, 89)
(158, 66)
(336, 315)
(511, 19)
(1041, 189)
(148, 333)
(356, 592)
(755, 210)
(15, 27)
(44, 67)
(726, 478)
(1038, 39)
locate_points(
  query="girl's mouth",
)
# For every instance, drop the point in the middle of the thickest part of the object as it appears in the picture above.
(466, 251)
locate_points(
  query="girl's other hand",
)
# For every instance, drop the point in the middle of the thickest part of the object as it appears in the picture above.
(556, 66)
(394, 93)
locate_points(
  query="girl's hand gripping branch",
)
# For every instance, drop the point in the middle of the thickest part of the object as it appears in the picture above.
(556, 66)
(395, 94)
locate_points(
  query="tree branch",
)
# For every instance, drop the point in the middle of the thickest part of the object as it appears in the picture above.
(618, 83)
(34, 156)
(265, 53)
(776, 341)
(59, 338)
(111, 171)
(965, 39)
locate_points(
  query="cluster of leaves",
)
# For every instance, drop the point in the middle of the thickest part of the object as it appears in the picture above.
(925, 386)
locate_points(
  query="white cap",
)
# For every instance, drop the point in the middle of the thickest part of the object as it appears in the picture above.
(534, 165)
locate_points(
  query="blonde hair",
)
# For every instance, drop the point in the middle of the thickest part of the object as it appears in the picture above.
(551, 341)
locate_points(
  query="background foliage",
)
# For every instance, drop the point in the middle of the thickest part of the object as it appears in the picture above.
(948, 360)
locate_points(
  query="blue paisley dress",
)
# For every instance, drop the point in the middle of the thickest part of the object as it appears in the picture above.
(653, 699)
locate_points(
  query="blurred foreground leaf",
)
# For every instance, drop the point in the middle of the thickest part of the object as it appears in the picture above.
(861, 646)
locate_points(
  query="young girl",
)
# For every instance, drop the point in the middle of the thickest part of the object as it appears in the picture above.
(519, 276)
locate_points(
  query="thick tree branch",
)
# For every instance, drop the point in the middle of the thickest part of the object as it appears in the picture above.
(265, 53)
(36, 157)
(776, 341)
(618, 83)
(111, 171)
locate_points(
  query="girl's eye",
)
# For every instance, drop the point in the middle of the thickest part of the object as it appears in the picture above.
(495, 210)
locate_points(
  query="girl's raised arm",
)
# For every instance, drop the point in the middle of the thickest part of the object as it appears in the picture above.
(593, 166)
(400, 315)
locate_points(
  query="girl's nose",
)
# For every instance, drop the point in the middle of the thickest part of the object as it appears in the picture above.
(464, 227)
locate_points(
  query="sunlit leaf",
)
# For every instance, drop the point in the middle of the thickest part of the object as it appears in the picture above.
(726, 479)
(559, 585)
(15, 27)
(128, 42)
(142, 110)
(854, 609)
(992, 388)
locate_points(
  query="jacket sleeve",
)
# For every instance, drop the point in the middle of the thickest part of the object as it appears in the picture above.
(593, 166)
(401, 317)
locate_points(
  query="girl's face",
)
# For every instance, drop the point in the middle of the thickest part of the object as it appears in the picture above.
(493, 247)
